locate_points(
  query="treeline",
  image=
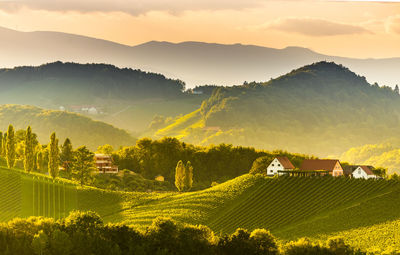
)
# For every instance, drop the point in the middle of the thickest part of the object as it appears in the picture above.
(214, 163)
(21, 149)
(73, 82)
(85, 233)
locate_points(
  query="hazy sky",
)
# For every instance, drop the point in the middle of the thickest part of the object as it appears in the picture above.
(346, 28)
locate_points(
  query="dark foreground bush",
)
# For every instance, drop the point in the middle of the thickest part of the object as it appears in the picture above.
(84, 233)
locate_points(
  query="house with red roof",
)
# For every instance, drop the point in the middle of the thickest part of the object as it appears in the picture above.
(279, 164)
(329, 166)
(364, 172)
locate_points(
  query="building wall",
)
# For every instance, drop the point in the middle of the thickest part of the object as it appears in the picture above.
(359, 173)
(337, 170)
(274, 167)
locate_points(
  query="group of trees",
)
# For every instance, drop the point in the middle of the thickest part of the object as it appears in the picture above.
(214, 163)
(85, 233)
(184, 176)
(22, 149)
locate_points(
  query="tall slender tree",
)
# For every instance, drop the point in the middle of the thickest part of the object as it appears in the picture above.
(188, 176)
(66, 156)
(53, 156)
(1, 143)
(396, 89)
(10, 147)
(29, 150)
(180, 176)
(4, 145)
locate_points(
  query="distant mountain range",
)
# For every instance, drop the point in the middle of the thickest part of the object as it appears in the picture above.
(321, 109)
(196, 63)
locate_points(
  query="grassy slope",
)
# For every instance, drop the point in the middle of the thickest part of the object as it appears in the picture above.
(286, 206)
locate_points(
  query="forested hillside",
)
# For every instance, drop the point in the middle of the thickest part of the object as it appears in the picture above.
(322, 109)
(81, 130)
(385, 154)
(123, 97)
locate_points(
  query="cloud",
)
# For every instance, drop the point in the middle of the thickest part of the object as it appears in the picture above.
(315, 27)
(134, 7)
(393, 24)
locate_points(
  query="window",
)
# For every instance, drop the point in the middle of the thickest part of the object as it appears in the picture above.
(271, 171)
(359, 171)
(279, 164)
(272, 164)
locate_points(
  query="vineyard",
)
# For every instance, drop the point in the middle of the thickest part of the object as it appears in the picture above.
(24, 195)
(287, 206)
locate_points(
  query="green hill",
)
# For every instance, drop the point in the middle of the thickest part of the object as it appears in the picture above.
(321, 109)
(123, 97)
(81, 130)
(291, 207)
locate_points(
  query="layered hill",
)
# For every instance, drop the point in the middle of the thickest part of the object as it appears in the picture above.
(291, 207)
(80, 129)
(196, 63)
(124, 97)
(321, 109)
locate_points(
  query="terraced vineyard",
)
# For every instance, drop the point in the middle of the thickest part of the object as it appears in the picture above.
(24, 195)
(291, 207)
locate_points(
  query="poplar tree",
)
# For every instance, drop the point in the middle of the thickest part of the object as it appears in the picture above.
(188, 176)
(66, 156)
(53, 156)
(29, 150)
(4, 145)
(180, 176)
(1, 143)
(10, 147)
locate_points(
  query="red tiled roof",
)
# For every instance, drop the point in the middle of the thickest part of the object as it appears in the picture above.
(285, 162)
(318, 164)
(367, 170)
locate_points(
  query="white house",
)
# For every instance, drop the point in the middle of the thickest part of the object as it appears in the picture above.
(364, 172)
(279, 164)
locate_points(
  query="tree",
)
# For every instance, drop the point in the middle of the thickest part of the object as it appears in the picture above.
(396, 89)
(105, 149)
(180, 176)
(10, 147)
(53, 156)
(188, 181)
(83, 165)
(4, 145)
(1, 144)
(260, 165)
(60, 243)
(39, 242)
(66, 155)
(29, 150)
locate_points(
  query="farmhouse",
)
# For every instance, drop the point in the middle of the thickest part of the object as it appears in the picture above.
(364, 172)
(328, 166)
(279, 164)
(104, 164)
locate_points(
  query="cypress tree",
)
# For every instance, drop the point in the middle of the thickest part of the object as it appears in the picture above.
(29, 150)
(180, 176)
(66, 156)
(53, 156)
(1, 143)
(4, 143)
(188, 176)
(10, 147)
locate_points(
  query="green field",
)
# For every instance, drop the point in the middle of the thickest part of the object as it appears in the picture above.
(291, 207)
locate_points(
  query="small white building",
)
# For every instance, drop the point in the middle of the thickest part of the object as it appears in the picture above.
(279, 164)
(364, 172)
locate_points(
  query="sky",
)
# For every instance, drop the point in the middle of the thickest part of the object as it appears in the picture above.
(362, 29)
